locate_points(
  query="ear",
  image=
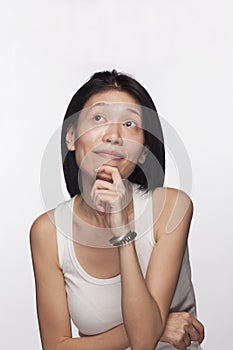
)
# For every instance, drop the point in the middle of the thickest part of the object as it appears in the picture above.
(144, 154)
(70, 138)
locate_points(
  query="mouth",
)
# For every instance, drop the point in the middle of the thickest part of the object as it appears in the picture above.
(113, 155)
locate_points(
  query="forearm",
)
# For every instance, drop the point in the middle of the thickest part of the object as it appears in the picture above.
(141, 314)
(114, 339)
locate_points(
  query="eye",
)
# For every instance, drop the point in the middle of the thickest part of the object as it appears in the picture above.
(130, 124)
(99, 118)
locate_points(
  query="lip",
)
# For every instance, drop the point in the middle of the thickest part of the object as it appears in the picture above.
(110, 154)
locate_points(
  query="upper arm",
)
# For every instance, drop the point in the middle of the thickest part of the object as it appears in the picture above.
(52, 309)
(173, 211)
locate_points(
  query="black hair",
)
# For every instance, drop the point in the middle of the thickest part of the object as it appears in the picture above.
(149, 175)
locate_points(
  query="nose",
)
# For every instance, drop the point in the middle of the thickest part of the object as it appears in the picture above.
(112, 134)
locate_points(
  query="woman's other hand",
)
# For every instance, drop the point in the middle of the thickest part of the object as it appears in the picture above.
(182, 328)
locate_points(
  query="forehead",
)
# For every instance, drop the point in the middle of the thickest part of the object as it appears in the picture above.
(112, 97)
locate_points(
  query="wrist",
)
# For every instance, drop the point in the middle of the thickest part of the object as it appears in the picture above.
(119, 223)
(125, 238)
(119, 231)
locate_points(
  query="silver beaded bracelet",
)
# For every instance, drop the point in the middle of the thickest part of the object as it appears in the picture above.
(123, 239)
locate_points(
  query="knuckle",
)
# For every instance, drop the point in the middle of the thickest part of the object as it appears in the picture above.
(97, 183)
(179, 337)
(182, 333)
(187, 317)
(177, 344)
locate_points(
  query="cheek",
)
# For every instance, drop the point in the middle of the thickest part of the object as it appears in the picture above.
(135, 149)
(89, 137)
(84, 146)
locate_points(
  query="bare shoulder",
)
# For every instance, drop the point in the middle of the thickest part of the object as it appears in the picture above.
(170, 207)
(43, 234)
(170, 193)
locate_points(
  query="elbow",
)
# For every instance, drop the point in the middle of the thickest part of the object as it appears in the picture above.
(58, 344)
(63, 344)
(149, 340)
(145, 344)
(148, 333)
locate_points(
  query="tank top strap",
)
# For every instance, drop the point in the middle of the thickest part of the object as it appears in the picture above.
(143, 214)
(63, 223)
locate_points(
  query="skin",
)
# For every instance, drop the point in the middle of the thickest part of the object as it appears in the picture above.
(106, 202)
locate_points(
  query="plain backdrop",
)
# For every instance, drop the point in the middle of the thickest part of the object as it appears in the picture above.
(181, 51)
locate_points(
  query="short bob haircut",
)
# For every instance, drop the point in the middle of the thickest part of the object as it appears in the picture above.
(149, 175)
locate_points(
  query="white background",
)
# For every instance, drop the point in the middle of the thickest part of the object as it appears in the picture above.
(181, 51)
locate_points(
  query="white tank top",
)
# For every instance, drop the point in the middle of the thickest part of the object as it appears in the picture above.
(94, 303)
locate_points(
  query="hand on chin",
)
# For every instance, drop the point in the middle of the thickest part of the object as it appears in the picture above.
(105, 177)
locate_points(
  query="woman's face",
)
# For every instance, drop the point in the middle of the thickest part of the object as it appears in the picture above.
(109, 131)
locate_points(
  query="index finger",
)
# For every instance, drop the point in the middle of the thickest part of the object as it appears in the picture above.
(113, 171)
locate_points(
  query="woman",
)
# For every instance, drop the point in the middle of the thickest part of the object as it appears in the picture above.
(114, 257)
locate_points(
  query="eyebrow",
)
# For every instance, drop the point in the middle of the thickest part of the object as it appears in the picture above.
(130, 109)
